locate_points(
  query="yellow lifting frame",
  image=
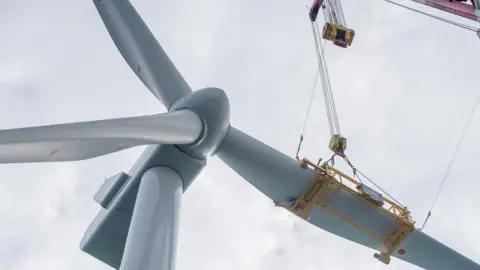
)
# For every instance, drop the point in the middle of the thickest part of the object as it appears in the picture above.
(328, 176)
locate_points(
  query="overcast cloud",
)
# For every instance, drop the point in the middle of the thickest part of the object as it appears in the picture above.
(403, 92)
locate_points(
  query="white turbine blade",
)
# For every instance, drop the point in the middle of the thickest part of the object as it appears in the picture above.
(78, 141)
(428, 253)
(273, 173)
(283, 179)
(141, 50)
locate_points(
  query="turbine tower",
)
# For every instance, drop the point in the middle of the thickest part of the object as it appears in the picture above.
(137, 226)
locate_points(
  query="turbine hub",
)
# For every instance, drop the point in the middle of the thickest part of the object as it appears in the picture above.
(212, 106)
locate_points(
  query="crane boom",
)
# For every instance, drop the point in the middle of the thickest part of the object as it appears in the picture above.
(469, 11)
(456, 7)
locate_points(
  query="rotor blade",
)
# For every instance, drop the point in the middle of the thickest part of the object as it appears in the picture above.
(83, 140)
(428, 253)
(273, 173)
(142, 51)
(283, 179)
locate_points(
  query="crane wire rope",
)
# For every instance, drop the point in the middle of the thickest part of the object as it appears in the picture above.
(322, 70)
(332, 8)
(324, 83)
(452, 160)
(337, 7)
(464, 26)
(327, 89)
(310, 101)
(373, 183)
(309, 109)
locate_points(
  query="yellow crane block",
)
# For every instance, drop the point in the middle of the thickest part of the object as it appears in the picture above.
(326, 175)
(338, 144)
(338, 34)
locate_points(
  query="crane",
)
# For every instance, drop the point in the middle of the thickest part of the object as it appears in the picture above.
(363, 215)
(462, 8)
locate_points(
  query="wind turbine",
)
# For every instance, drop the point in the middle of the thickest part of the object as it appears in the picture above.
(137, 226)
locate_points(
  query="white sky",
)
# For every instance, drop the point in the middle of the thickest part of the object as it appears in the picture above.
(403, 92)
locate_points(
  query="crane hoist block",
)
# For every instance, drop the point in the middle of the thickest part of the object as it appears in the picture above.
(338, 144)
(338, 34)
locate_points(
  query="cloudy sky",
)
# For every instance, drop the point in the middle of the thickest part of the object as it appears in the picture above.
(403, 93)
